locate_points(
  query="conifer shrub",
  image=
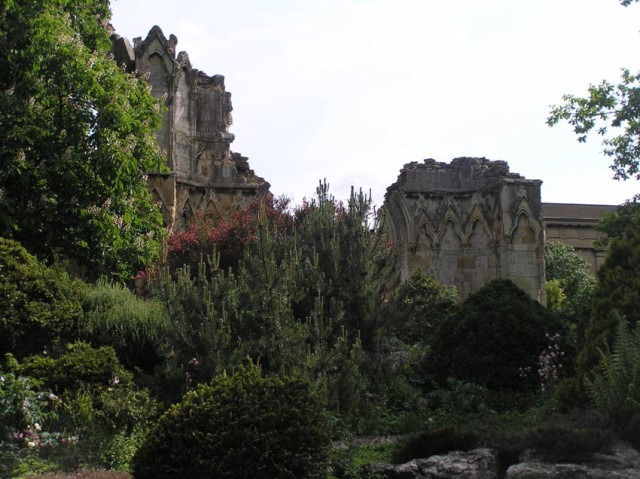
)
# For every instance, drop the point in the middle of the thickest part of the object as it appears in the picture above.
(137, 328)
(617, 294)
(241, 426)
(39, 305)
(496, 339)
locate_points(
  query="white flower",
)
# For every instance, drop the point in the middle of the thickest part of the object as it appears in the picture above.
(37, 427)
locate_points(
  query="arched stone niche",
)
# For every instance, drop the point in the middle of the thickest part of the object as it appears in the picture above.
(468, 222)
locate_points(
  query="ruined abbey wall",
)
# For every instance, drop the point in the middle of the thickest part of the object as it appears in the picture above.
(468, 222)
(206, 177)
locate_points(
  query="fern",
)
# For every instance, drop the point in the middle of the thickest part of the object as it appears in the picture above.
(615, 386)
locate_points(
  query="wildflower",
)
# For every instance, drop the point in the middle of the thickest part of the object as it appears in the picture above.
(37, 427)
(31, 444)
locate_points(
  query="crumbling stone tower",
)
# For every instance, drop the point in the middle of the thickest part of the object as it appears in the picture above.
(206, 177)
(468, 222)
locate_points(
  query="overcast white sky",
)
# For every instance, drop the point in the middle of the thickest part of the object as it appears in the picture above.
(351, 90)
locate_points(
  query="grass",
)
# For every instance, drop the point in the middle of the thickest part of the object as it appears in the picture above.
(83, 475)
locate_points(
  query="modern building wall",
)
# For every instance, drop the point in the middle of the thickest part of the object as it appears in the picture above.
(574, 224)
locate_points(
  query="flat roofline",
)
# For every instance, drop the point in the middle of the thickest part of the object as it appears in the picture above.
(578, 204)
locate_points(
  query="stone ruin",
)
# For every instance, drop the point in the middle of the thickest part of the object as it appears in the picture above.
(206, 177)
(468, 222)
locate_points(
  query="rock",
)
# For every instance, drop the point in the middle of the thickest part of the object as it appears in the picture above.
(532, 470)
(622, 462)
(475, 464)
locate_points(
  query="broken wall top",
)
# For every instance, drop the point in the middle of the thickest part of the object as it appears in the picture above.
(462, 175)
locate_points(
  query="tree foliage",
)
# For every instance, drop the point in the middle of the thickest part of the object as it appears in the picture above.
(571, 273)
(302, 295)
(77, 140)
(614, 112)
(613, 225)
(617, 294)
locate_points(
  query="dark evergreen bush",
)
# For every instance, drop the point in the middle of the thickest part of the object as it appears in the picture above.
(39, 305)
(240, 426)
(495, 339)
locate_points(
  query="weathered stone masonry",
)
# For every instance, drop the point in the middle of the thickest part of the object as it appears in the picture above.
(468, 222)
(206, 177)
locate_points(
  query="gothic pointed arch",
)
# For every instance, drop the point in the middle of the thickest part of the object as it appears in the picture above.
(212, 213)
(452, 218)
(424, 228)
(475, 220)
(187, 213)
(524, 218)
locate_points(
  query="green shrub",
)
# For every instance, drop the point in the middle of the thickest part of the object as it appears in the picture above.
(241, 426)
(103, 410)
(136, 328)
(459, 397)
(39, 305)
(79, 366)
(26, 410)
(347, 462)
(496, 339)
(418, 306)
(570, 285)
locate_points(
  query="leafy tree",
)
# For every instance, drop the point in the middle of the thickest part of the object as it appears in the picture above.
(77, 139)
(570, 272)
(608, 107)
(225, 238)
(612, 226)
